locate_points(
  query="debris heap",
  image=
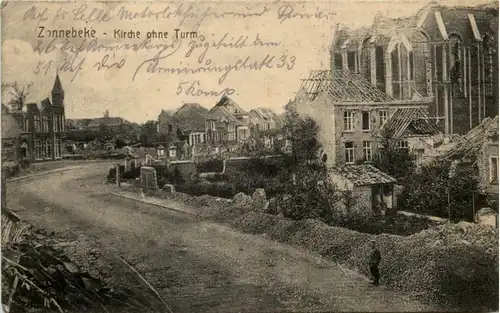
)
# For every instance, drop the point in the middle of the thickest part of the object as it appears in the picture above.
(37, 274)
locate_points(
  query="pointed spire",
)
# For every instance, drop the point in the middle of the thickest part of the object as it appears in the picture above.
(57, 89)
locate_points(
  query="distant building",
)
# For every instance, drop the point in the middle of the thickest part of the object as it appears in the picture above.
(77, 124)
(186, 124)
(112, 123)
(264, 119)
(227, 123)
(43, 126)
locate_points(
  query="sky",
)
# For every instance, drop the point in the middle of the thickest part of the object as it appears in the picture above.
(284, 39)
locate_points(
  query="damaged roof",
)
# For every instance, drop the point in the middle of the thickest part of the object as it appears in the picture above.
(364, 175)
(343, 86)
(191, 117)
(437, 20)
(407, 122)
(222, 114)
(470, 145)
(227, 102)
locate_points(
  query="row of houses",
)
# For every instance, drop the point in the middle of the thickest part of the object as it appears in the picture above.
(94, 124)
(225, 125)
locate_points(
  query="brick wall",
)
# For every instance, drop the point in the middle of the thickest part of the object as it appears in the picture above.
(187, 169)
(321, 111)
(363, 201)
(357, 136)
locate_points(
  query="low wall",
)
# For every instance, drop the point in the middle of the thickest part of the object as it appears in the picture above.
(234, 165)
(187, 169)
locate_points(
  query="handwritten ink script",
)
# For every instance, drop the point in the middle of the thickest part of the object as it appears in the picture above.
(167, 41)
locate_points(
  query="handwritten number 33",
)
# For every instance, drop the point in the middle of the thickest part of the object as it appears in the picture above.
(283, 60)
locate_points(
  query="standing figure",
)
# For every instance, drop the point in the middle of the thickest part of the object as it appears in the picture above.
(374, 262)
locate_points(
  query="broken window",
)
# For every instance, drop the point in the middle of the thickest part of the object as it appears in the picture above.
(488, 50)
(366, 121)
(396, 81)
(338, 61)
(456, 65)
(351, 60)
(494, 170)
(380, 67)
(410, 65)
(438, 63)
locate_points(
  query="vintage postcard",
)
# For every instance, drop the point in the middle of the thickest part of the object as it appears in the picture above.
(249, 156)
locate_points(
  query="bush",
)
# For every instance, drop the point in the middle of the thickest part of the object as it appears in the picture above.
(309, 194)
(210, 166)
(442, 190)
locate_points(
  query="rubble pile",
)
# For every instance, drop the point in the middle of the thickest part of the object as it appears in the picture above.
(242, 200)
(454, 265)
(449, 274)
(38, 274)
(483, 236)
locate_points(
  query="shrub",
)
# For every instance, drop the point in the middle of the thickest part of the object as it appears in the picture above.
(442, 190)
(199, 188)
(210, 166)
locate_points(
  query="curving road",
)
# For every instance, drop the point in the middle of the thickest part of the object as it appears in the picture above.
(196, 266)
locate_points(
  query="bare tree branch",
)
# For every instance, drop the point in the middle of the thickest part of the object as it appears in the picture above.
(19, 94)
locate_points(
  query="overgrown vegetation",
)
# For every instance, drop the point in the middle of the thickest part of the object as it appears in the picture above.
(441, 189)
(397, 162)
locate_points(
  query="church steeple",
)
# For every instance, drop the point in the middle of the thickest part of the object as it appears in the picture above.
(57, 92)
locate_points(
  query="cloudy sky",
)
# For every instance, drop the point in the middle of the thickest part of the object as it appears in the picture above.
(293, 39)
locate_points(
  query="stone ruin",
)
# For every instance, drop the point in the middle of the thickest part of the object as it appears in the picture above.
(148, 178)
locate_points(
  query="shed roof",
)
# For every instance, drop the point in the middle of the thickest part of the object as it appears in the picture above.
(364, 175)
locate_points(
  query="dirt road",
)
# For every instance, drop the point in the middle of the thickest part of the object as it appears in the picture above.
(197, 266)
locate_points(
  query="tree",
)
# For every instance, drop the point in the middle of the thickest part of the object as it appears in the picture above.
(302, 132)
(393, 160)
(105, 133)
(148, 134)
(18, 94)
(307, 189)
(441, 189)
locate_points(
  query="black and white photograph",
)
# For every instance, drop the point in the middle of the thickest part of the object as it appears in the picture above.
(249, 156)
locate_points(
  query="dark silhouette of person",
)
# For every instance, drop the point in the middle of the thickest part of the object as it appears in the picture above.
(374, 262)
